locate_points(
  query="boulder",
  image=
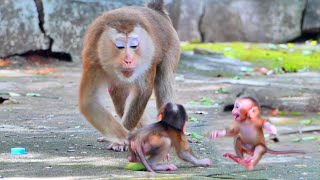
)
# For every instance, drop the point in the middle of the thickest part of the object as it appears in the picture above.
(67, 21)
(19, 28)
(251, 20)
(311, 20)
(186, 16)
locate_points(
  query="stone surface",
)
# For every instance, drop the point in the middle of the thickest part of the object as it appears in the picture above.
(186, 16)
(59, 26)
(67, 21)
(61, 144)
(19, 28)
(311, 20)
(251, 20)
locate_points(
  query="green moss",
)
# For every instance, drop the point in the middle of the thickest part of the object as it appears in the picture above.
(291, 57)
(284, 113)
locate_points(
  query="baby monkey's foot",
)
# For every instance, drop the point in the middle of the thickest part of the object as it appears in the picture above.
(169, 167)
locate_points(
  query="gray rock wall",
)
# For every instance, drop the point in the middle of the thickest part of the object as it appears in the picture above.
(311, 20)
(59, 25)
(247, 20)
(186, 16)
(66, 21)
(19, 28)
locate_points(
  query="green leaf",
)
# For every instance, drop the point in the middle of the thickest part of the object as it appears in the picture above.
(246, 69)
(12, 94)
(313, 43)
(194, 103)
(306, 122)
(285, 113)
(193, 119)
(135, 166)
(296, 140)
(223, 91)
(236, 77)
(311, 138)
(197, 136)
(206, 101)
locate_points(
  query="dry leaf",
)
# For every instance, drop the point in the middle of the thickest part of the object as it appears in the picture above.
(42, 71)
(4, 62)
(273, 111)
(47, 70)
(261, 70)
(58, 75)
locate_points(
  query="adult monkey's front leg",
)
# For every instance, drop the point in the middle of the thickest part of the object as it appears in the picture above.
(92, 102)
(135, 107)
(131, 111)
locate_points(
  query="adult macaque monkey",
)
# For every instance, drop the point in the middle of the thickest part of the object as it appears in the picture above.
(155, 141)
(130, 51)
(248, 132)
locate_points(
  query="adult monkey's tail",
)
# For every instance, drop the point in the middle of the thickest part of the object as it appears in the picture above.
(157, 5)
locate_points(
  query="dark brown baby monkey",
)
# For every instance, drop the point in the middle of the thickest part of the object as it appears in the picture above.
(248, 132)
(150, 145)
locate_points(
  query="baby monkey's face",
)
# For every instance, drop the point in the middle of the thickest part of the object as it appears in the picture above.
(240, 109)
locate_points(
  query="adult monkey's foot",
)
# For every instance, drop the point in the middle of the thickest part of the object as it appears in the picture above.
(118, 146)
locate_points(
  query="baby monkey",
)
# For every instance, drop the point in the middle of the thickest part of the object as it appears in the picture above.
(151, 145)
(247, 131)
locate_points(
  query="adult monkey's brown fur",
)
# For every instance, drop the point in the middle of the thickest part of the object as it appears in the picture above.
(248, 133)
(129, 51)
(155, 141)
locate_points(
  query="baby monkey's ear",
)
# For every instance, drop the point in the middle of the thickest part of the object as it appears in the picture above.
(254, 112)
(160, 117)
(161, 113)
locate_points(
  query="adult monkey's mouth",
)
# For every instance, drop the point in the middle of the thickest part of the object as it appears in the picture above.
(127, 72)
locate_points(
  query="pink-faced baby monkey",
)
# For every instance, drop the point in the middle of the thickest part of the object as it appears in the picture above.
(248, 132)
(151, 144)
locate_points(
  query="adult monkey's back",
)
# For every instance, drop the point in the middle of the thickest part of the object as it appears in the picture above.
(129, 51)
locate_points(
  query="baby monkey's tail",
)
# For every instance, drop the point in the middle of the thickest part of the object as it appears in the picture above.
(285, 152)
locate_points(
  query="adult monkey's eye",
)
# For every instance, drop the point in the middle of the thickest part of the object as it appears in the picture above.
(134, 43)
(120, 44)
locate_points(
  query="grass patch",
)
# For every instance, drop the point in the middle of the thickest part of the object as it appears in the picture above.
(290, 57)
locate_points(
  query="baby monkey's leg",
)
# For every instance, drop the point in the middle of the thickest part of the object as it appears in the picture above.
(159, 154)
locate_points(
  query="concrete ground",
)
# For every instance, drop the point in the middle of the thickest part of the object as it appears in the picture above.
(60, 143)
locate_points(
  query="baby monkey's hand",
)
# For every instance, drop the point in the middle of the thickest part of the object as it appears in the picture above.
(217, 134)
